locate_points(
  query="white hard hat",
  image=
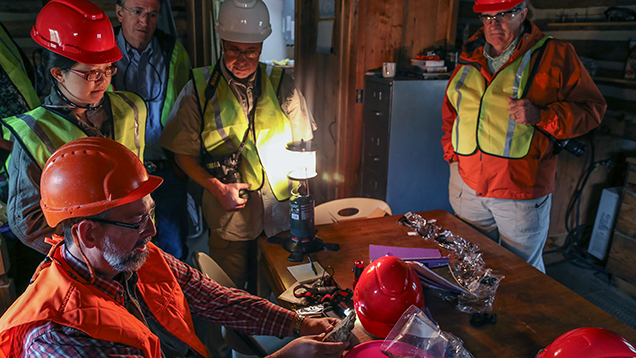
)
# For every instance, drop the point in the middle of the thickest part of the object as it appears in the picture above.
(243, 21)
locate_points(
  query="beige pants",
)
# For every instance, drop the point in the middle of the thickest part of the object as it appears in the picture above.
(232, 235)
(520, 226)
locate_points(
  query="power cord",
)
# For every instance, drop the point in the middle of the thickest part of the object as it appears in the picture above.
(574, 247)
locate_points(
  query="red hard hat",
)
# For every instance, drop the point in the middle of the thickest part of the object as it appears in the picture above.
(76, 29)
(386, 288)
(90, 175)
(495, 5)
(589, 342)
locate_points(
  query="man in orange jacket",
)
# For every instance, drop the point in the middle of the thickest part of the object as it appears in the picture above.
(106, 290)
(511, 79)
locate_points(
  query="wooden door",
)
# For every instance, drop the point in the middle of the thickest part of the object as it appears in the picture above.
(365, 34)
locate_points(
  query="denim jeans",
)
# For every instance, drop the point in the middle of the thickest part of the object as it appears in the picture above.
(171, 213)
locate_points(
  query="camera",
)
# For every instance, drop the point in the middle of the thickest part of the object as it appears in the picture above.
(571, 146)
(225, 168)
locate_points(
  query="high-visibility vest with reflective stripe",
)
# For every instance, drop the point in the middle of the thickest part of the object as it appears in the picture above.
(178, 74)
(57, 295)
(42, 131)
(12, 64)
(482, 119)
(225, 124)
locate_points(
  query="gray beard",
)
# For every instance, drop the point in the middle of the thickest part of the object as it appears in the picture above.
(120, 261)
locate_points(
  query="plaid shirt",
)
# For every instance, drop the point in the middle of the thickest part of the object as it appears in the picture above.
(208, 300)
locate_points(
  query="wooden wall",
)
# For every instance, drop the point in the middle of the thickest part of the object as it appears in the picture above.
(604, 47)
(366, 34)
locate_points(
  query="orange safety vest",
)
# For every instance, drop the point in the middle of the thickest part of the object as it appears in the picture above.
(56, 295)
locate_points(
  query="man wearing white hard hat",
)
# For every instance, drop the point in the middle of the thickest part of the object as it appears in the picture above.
(514, 94)
(229, 129)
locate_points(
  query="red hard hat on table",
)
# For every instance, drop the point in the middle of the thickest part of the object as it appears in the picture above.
(76, 29)
(495, 5)
(387, 287)
(589, 342)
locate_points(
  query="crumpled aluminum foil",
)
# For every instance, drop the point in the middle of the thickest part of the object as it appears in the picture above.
(465, 264)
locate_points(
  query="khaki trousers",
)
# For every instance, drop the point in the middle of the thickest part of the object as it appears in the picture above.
(520, 226)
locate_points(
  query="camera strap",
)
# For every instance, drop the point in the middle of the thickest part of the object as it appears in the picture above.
(533, 72)
(210, 90)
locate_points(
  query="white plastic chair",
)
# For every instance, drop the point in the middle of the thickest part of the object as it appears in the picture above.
(348, 209)
(242, 345)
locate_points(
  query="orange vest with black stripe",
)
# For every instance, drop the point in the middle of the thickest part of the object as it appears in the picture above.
(57, 296)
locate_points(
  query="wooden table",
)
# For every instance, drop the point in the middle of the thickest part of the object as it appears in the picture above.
(532, 309)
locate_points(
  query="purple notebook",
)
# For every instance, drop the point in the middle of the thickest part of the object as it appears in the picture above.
(404, 253)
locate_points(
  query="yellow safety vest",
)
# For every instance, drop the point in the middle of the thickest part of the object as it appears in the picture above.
(12, 64)
(41, 131)
(482, 110)
(177, 78)
(225, 125)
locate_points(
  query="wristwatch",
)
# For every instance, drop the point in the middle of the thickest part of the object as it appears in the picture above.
(298, 323)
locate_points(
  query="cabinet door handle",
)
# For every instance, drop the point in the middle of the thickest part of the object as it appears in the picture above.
(376, 159)
(377, 114)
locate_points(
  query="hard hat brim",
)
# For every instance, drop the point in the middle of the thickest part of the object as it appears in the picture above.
(479, 8)
(56, 215)
(88, 58)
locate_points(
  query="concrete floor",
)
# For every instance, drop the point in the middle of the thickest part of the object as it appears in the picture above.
(588, 279)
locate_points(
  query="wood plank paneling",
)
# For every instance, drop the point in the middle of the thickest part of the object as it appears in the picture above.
(560, 4)
(569, 172)
(622, 257)
(366, 34)
(626, 222)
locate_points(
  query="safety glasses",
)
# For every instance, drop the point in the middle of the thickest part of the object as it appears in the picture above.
(141, 226)
(501, 18)
(96, 75)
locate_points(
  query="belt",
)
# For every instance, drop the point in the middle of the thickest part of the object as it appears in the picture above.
(154, 165)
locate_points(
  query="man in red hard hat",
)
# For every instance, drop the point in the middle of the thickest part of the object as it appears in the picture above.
(514, 93)
(106, 290)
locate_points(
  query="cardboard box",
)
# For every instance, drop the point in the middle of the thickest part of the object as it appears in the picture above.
(604, 223)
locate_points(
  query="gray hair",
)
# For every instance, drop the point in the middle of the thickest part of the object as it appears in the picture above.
(67, 225)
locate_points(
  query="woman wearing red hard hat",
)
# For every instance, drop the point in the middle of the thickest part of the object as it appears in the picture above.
(79, 48)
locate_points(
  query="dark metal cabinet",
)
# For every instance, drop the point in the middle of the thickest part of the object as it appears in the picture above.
(402, 158)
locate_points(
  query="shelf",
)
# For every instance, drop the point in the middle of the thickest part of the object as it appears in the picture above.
(596, 26)
(610, 80)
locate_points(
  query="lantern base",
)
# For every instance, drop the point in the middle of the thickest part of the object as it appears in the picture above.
(301, 247)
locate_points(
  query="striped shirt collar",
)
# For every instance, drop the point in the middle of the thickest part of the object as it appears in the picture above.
(112, 288)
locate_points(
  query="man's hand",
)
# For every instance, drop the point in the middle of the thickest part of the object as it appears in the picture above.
(310, 347)
(229, 196)
(524, 112)
(312, 326)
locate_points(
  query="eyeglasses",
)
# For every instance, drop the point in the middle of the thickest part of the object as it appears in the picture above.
(141, 226)
(501, 18)
(248, 54)
(96, 75)
(139, 12)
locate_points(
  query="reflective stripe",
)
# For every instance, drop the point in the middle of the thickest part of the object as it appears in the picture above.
(136, 112)
(459, 85)
(15, 55)
(35, 127)
(515, 94)
(214, 101)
